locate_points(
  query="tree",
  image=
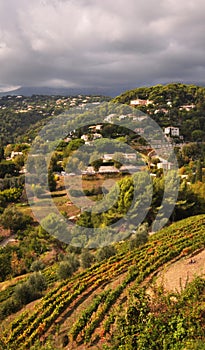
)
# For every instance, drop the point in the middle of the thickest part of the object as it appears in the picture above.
(85, 219)
(86, 259)
(19, 161)
(73, 146)
(119, 159)
(37, 265)
(37, 282)
(105, 253)
(31, 289)
(141, 236)
(65, 270)
(199, 171)
(74, 262)
(96, 161)
(198, 135)
(14, 220)
(51, 181)
(53, 225)
(1, 152)
(8, 167)
(23, 293)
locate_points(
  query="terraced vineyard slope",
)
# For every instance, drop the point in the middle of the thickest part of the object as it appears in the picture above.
(83, 312)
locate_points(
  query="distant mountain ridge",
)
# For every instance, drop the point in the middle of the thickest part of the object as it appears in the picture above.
(29, 91)
(62, 91)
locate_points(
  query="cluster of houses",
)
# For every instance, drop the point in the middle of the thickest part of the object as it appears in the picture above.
(44, 104)
(128, 167)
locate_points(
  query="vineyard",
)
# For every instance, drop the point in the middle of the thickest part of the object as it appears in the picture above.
(83, 311)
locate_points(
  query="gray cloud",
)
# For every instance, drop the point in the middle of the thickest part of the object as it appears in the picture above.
(101, 43)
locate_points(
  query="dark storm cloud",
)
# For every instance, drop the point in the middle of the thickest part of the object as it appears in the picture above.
(101, 43)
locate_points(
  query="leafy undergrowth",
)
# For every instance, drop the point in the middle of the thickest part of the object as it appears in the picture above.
(97, 322)
(174, 321)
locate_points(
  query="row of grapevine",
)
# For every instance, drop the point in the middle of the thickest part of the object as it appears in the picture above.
(142, 269)
(178, 240)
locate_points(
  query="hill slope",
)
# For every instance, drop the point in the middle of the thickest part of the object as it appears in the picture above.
(84, 310)
(179, 105)
(176, 93)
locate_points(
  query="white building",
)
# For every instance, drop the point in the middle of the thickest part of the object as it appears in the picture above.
(171, 131)
(164, 164)
(84, 138)
(140, 102)
(14, 154)
(187, 107)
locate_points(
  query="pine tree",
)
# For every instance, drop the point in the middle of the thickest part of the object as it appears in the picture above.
(199, 171)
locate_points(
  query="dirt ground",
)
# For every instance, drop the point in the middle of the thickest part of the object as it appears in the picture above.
(175, 276)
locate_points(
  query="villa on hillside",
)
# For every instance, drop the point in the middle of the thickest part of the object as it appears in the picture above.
(140, 102)
(127, 156)
(164, 164)
(171, 131)
(187, 107)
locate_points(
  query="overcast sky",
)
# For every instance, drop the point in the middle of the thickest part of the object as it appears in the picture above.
(101, 43)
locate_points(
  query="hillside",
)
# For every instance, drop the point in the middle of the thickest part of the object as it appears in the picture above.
(117, 303)
(177, 93)
(175, 104)
(23, 116)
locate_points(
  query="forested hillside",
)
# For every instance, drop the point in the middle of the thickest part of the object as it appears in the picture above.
(173, 104)
(22, 117)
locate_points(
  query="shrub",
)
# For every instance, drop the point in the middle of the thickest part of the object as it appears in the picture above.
(8, 307)
(105, 252)
(37, 266)
(37, 282)
(23, 293)
(65, 270)
(86, 259)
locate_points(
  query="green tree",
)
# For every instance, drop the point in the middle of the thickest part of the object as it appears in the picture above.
(118, 159)
(14, 220)
(105, 252)
(51, 181)
(37, 282)
(65, 270)
(86, 259)
(19, 161)
(140, 237)
(1, 152)
(37, 265)
(73, 146)
(199, 171)
(96, 161)
(23, 293)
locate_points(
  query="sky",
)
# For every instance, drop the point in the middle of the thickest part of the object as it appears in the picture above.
(106, 44)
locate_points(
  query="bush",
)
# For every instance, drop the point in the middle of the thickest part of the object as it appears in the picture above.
(30, 290)
(86, 259)
(23, 293)
(141, 237)
(65, 270)
(14, 220)
(74, 262)
(9, 307)
(105, 252)
(37, 282)
(37, 266)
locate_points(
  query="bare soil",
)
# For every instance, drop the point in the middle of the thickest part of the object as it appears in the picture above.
(176, 275)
